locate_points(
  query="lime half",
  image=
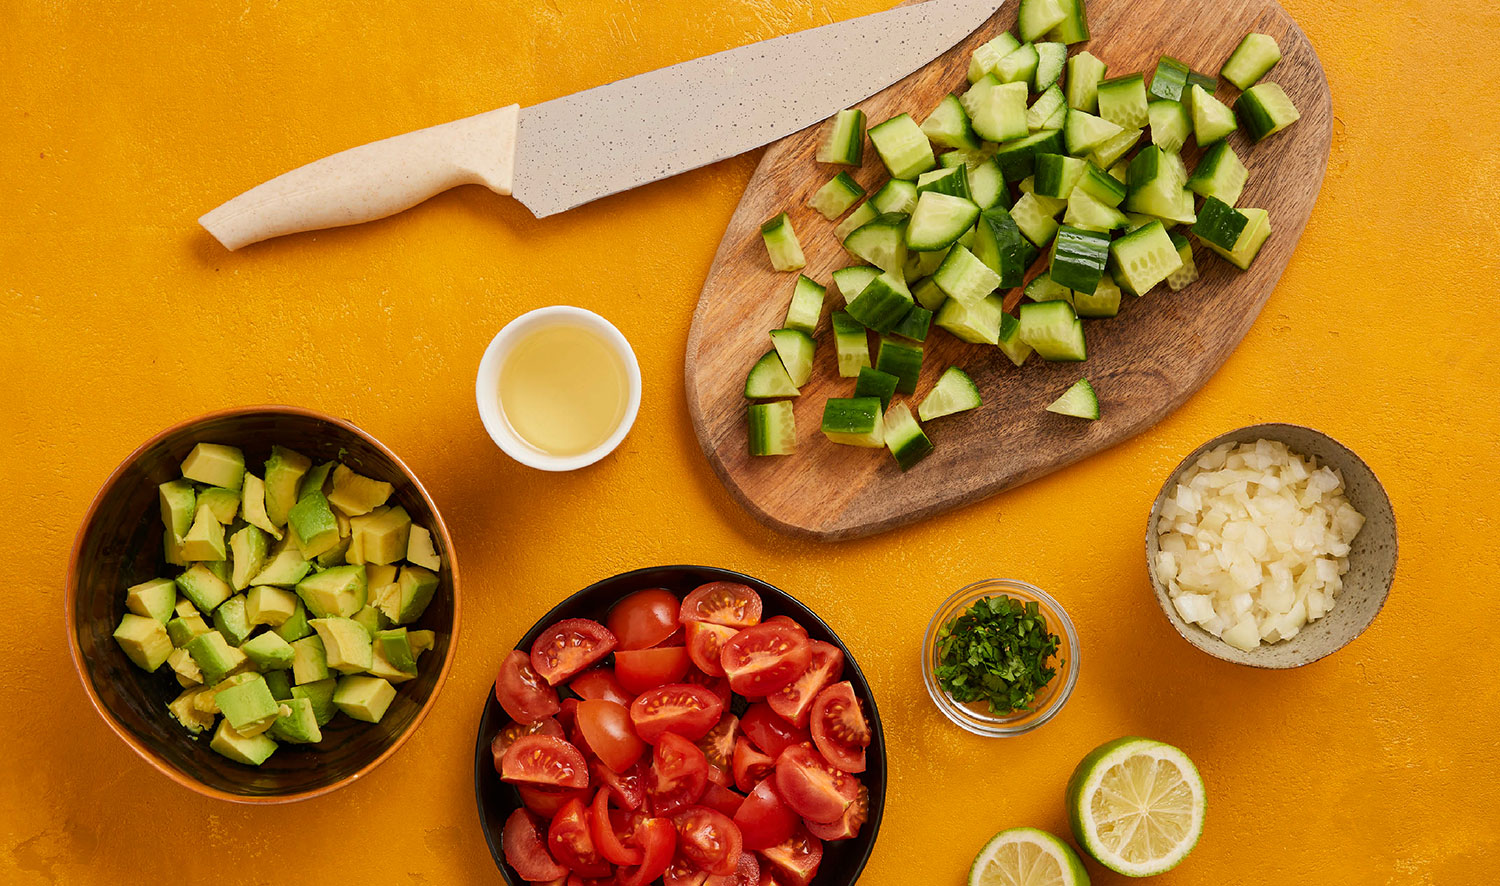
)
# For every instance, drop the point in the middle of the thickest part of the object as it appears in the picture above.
(1137, 806)
(1027, 857)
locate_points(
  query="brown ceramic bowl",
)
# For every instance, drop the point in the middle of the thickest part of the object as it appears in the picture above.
(120, 544)
(1372, 556)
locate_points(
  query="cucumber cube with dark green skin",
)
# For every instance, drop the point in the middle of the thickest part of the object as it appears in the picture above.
(1074, 27)
(901, 359)
(1009, 340)
(772, 428)
(999, 244)
(1017, 159)
(998, 110)
(1084, 73)
(875, 383)
(1170, 80)
(845, 143)
(1265, 110)
(1251, 239)
(782, 245)
(1122, 101)
(837, 197)
(806, 306)
(882, 242)
(953, 181)
(1057, 175)
(851, 344)
(1054, 331)
(905, 438)
(883, 304)
(1251, 60)
(1219, 223)
(1078, 258)
(1020, 66)
(903, 147)
(855, 421)
(768, 378)
(1219, 174)
(897, 196)
(948, 125)
(915, 325)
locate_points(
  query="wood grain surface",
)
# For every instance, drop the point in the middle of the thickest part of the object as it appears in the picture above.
(1144, 363)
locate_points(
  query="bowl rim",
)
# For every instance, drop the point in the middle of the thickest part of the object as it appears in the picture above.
(70, 597)
(1206, 642)
(877, 730)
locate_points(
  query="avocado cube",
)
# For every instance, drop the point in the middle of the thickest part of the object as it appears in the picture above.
(216, 657)
(338, 555)
(378, 576)
(279, 681)
(184, 607)
(187, 670)
(346, 643)
(309, 660)
(231, 621)
(421, 641)
(420, 551)
(299, 725)
(252, 750)
(340, 591)
(225, 503)
(144, 640)
(284, 471)
(205, 589)
(395, 644)
(285, 569)
(185, 710)
(381, 667)
(267, 605)
(171, 548)
(417, 588)
(253, 506)
(320, 693)
(251, 548)
(215, 465)
(177, 507)
(206, 702)
(355, 494)
(153, 599)
(371, 619)
(220, 568)
(364, 698)
(315, 479)
(248, 707)
(205, 538)
(312, 520)
(295, 627)
(184, 628)
(268, 651)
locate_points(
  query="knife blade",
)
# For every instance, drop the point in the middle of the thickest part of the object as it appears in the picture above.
(576, 149)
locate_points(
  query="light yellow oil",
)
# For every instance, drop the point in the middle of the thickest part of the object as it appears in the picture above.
(563, 389)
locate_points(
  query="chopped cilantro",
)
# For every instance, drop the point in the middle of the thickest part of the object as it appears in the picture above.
(996, 651)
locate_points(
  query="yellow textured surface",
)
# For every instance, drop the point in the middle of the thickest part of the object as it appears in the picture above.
(121, 122)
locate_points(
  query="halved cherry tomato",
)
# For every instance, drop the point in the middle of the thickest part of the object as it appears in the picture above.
(679, 774)
(848, 826)
(526, 851)
(814, 789)
(522, 692)
(639, 670)
(601, 683)
(681, 708)
(629, 787)
(719, 797)
(785, 620)
(839, 728)
(718, 744)
(684, 873)
(607, 728)
(644, 618)
(606, 839)
(794, 702)
(764, 818)
(747, 873)
(705, 646)
(709, 839)
(769, 731)
(797, 859)
(507, 736)
(726, 603)
(546, 802)
(676, 638)
(762, 659)
(546, 761)
(572, 842)
(717, 685)
(657, 838)
(750, 765)
(568, 647)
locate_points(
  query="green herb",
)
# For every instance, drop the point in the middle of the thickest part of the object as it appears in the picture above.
(996, 651)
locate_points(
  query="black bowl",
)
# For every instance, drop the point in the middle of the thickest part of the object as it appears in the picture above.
(843, 860)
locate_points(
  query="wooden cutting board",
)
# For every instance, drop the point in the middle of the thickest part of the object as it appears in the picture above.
(1143, 363)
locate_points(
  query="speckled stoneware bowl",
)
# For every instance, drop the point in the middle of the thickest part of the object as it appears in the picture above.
(1372, 556)
(120, 544)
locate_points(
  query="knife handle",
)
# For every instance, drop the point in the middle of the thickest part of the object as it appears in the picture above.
(374, 180)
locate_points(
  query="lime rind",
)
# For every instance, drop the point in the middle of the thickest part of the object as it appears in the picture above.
(1088, 779)
(1027, 857)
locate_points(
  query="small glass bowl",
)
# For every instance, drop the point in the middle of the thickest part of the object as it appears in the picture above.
(976, 717)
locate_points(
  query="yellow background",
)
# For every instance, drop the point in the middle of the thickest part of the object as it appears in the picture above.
(121, 122)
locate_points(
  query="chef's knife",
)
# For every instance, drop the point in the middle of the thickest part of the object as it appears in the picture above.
(575, 149)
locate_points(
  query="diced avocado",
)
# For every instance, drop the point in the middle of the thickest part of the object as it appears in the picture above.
(206, 590)
(382, 575)
(387, 599)
(231, 621)
(419, 549)
(312, 520)
(207, 701)
(316, 479)
(205, 538)
(395, 646)
(184, 606)
(225, 503)
(421, 641)
(251, 750)
(320, 693)
(279, 682)
(248, 707)
(284, 470)
(268, 651)
(380, 536)
(340, 591)
(336, 555)
(188, 673)
(144, 640)
(364, 698)
(266, 605)
(215, 465)
(309, 660)
(216, 657)
(355, 494)
(154, 599)
(295, 627)
(253, 506)
(371, 619)
(185, 710)
(299, 725)
(184, 628)
(381, 667)
(346, 643)
(417, 588)
(220, 569)
(285, 569)
(250, 547)
(177, 506)
(171, 548)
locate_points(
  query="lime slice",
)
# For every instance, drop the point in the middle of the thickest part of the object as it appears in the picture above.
(1137, 806)
(1027, 857)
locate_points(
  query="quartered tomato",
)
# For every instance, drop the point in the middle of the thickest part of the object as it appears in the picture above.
(746, 873)
(709, 839)
(544, 761)
(607, 727)
(839, 728)
(718, 744)
(797, 859)
(679, 774)
(721, 798)
(705, 645)
(764, 819)
(682, 708)
(847, 827)
(750, 765)
(628, 787)
(526, 851)
(568, 647)
(601, 683)
(720, 777)
(769, 731)
(571, 840)
(794, 702)
(717, 685)
(522, 692)
(644, 618)
(762, 659)
(657, 839)
(507, 736)
(814, 789)
(639, 670)
(547, 802)
(785, 620)
(726, 603)
(607, 839)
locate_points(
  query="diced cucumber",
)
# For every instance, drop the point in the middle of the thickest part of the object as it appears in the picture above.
(1079, 401)
(1265, 110)
(928, 295)
(1041, 288)
(1120, 172)
(1054, 331)
(954, 392)
(1103, 302)
(965, 278)
(1009, 340)
(987, 57)
(1017, 159)
(1051, 205)
(1219, 174)
(1051, 57)
(845, 141)
(1170, 80)
(902, 147)
(948, 125)
(1074, 28)
(882, 304)
(1034, 220)
(939, 220)
(1046, 105)
(1102, 186)
(1084, 132)
(1206, 82)
(915, 324)
(998, 243)
(1154, 184)
(1170, 124)
(856, 421)
(979, 324)
(768, 378)
(1088, 213)
(1057, 175)
(1220, 224)
(875, 383)
(1188, 273)
(1212, 119)
(969, 159)
(782, 245)
(1084, 73)
(950, 180)
(1122, 101)
(795, 348)
(1144, 257)
(904, 437)
(1256, 55)
(857, 219)
(882, 242)
(987, 186)
(925, 264)
(850, 343)
(897, 196)
(1036, 17)
(997, 110)
(1058, 120)
(806, 306)
(851, 281)
(837, 197)
(1078, 258)
(773, 428)
(1106, 155)
(1020, 66)
(901, 359)
(1247, 247)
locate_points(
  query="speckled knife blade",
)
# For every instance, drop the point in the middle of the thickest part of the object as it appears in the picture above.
(578, 148)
